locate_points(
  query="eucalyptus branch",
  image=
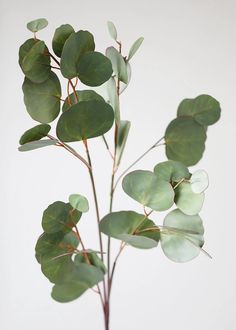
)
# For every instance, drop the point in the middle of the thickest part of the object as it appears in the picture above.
(114, 265)
(107, 146)
(96, 207)
(91, 117)
(156, 144)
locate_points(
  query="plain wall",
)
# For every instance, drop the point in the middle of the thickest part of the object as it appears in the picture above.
(189, 49)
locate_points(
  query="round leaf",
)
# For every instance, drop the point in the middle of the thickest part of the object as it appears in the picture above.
(93, 258)
(59, 216)
(178, 245)
(85, 120)
(79, 202)
(56, 269)
(140, 242)
(61, 34)
(94, 69)
(37, 144)
(85, 95)
(34, 61)
(134, 48)
(185, 140)
(204, 109)
(171, 171)
(75, 46)
(87, 274)
(68, 292)
(112, 30)
(199, 181)
(147, 189)
(187, 201)
(35, 133)
(118, 64)
(54, 245)
(123, 222)
(149, 229)
(127, 226)
(37, 24)
(43, 100)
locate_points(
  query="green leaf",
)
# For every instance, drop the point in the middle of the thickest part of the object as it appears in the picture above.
(37, 24)
(147, 189)
(59, 216)
(61, 34)
(68, 292)
(123, 225)
(54, 245)
(112, 30)
(178, 245)
(171, 171)
(199, 181)
(88, 274)
(56, 269)
(140, 242)
(35, 133)
(94, 69)
(113, 98)
(79, 202)
(118, 64)
(123, 131)
(93, 258)
(123, 222)
(123, 86)
(135, 47)
(187, 201)
(34, 60)
(54, 252)
(85, 120)
(75, 46)
(185, 140)
(80, 279)
(85, 95)
(97, 262)
(37, 144)
(204, 109)
(43, 100)
(149, 229)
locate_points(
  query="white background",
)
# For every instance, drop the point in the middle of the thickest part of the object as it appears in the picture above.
(189, 49)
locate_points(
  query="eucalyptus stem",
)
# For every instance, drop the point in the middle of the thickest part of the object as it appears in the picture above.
(114, 266)
(156, 144)
(71, 150)
(97, 210)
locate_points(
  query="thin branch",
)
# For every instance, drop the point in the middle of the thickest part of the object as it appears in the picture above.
(96, 207)
(71, 150)
(138, 159)
(68, 93)
(122, 246)
(54, 58)
(107, 146)
(74, 91)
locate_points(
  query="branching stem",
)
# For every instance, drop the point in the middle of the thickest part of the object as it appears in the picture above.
(156, 144)
(71, 150)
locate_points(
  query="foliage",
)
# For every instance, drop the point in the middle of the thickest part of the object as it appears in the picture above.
(85, 114)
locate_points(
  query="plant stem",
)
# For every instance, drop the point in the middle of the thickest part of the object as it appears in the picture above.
(71, 150)
(96, 208)
(74, 91)
(85, 254)
(156, 144)
(114, 266)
